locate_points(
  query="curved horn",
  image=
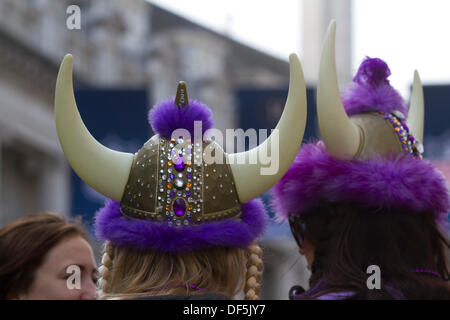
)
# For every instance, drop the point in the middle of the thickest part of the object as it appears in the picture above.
(416, 111)
(340, 135)
(103, 169)
(249, 180)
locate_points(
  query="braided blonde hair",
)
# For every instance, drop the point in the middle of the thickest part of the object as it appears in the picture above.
(104, 270)
(113, 285)
(253, 279)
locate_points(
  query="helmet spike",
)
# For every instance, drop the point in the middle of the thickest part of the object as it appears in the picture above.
(181, 99)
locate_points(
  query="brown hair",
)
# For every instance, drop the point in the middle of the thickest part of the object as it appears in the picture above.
(23, 245)
(128, 273)
(347, 239)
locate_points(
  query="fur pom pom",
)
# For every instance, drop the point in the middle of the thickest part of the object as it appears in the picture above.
(370, 90)
(395, 183)
(372, 72)
(165, 117)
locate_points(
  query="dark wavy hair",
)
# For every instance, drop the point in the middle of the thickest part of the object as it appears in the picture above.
(25, 242)
(347, 239)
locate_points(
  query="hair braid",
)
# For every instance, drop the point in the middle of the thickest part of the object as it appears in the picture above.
(254, 272)
(104, 270)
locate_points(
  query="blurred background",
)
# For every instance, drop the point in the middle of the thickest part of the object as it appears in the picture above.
(233, 56)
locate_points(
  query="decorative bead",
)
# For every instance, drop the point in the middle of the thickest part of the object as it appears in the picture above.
(399, 114)
(169, 186)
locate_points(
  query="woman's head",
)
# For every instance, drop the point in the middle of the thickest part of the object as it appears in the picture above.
(128, 273)
(343, 240)
(36, 252)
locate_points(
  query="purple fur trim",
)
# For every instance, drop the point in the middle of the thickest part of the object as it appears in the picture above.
(165, 117)
(370, 90)
(398, 183)
(146, 234)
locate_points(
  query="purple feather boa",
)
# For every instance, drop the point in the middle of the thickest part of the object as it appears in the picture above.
(147, 234)
(370, 90)
(397, 182)
(165, 117)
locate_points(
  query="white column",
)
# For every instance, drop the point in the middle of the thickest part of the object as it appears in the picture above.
(1, 181)
(317, 15)
(55, 186)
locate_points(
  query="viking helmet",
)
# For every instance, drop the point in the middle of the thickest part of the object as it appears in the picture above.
(166, 196)
(361, 129)
(371, 151)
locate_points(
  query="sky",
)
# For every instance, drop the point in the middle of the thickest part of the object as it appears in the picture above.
(407, 34)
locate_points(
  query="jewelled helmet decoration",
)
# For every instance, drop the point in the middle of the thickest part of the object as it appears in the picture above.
(166, 196)
(170, 183)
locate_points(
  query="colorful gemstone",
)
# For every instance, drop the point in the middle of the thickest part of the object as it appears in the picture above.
(179, 183)
(169, 186)
(169, 163)
(178, 164)
(179, 207)
(405, 126)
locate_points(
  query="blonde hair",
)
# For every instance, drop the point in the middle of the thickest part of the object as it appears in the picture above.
(127, 273)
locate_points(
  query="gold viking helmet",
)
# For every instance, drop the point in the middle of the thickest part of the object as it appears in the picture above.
(152, 185)
(368, 133)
